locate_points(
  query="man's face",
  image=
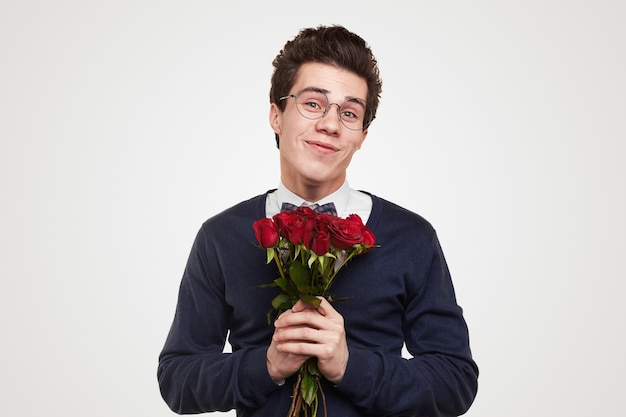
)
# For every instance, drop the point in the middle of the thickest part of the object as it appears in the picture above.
(315, 154)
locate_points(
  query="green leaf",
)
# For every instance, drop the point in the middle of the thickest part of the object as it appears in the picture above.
(300, 276)
(311, 299)
(270, 255)
(322, 261)
(311, 367)
(308, 388)
(280, 300)
(282, 283)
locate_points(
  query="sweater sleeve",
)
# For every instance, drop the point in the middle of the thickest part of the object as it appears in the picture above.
(194, 373)
(441, 377)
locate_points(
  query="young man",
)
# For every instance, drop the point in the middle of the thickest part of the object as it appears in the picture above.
(324, 95)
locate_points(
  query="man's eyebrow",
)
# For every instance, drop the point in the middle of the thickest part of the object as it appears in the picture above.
(316, 89)
(356, 100)
(325, 91)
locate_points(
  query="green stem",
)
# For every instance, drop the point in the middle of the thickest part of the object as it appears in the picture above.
(279, 264)
(334, 274)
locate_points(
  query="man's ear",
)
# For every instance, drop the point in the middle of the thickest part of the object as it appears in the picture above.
(363, 138)
(276, 119)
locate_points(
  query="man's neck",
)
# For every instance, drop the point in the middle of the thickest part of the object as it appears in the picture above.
(312, 192)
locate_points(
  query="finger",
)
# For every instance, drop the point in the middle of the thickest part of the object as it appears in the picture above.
(281, 365)
(302, 305)
(298, 334)
(326, 308)
(300, 314)
(305, 318)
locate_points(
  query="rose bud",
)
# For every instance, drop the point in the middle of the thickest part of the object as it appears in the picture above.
(266, 232)
(368, 237)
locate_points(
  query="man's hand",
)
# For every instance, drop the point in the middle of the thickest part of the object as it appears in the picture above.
(306, 331)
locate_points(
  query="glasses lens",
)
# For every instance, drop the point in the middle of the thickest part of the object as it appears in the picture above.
(313, 104)
(352, 114)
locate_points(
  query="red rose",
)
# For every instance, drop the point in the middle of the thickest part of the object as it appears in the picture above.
(323, 221)
(291, 225)
(355, 218)
(368, 237)
(344, 234)
(266, 232)
(317, 241)
(306, 211)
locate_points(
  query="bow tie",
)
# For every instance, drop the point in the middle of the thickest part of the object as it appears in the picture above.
(328, 208)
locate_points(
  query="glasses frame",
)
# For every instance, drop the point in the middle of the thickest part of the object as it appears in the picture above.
(366, 123)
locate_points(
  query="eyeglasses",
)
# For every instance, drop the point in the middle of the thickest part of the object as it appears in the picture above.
(313, 103)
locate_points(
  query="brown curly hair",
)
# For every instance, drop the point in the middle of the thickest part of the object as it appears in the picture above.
(334, 45)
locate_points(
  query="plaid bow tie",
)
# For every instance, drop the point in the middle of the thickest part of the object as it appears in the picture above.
(328, 208)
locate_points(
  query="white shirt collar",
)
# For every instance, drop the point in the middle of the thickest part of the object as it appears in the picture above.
(347, 201)
(340, 197)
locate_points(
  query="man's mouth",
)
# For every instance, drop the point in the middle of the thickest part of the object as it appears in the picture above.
(323, 146)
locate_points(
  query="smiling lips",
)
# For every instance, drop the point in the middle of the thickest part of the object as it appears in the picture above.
(322, 145)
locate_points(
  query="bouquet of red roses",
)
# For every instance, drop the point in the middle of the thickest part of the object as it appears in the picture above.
(309, 249)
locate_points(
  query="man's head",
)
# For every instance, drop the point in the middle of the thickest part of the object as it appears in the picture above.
(333, 45)
(325, 92)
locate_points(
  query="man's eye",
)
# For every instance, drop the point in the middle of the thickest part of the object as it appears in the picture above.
(349, 115)
(313, 105)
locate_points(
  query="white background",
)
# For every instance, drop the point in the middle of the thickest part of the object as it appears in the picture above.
(125, 124)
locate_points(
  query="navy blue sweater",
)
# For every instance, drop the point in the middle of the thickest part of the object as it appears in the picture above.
(398, 293)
